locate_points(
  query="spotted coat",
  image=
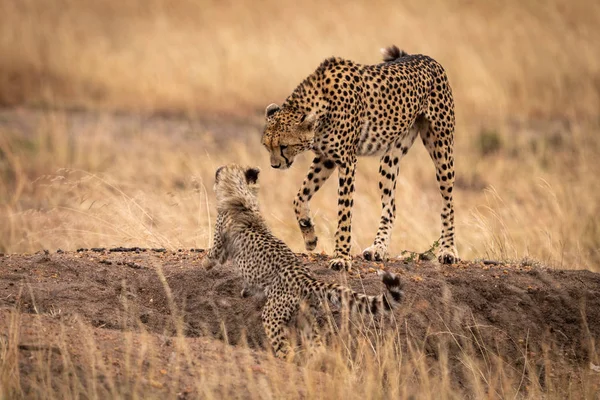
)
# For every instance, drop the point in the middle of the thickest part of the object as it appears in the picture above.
(344, 110)
(267, 264)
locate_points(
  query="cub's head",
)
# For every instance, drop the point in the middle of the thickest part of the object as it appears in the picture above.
(288, 132)
(234, 183)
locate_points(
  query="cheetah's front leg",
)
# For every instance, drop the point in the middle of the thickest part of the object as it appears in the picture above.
(320, 170)
(343, 236)
(217, 254)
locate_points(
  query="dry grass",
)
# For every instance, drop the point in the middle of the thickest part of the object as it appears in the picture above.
(525, 188)
(79, 180)
(526, 76)
(43, 356)
(528, 57)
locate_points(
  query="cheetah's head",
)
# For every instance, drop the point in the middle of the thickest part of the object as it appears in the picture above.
(288, 132)
(234, 183)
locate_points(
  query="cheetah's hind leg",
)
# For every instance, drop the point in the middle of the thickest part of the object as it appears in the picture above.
(308, 326)
(276, 315)
(439, 142)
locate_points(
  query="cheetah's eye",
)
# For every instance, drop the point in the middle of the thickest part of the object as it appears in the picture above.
(283, 147)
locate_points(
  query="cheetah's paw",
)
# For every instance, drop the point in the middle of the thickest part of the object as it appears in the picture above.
(310, 245)
(252, 291)
(448, 255)
(209, 263)
(375, 253)
(342, 263)
(308, 233)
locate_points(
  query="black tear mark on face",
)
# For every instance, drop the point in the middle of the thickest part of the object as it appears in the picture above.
(252, 175)
(281, 149)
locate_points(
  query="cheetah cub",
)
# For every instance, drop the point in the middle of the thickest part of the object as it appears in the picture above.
(268, 264)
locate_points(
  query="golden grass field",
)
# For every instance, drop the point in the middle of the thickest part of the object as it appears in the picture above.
(117, 113)
(526, 80)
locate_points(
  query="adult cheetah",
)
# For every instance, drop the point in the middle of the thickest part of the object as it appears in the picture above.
(266, 263)
(344, 110)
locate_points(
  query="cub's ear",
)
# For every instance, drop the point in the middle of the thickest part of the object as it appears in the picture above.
(271, 109)
(218, 172)
(308, 121)
(252, 175)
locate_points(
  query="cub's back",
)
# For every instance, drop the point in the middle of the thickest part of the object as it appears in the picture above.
(260, 255)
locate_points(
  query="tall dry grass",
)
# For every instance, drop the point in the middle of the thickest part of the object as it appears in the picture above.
(46, 356)
(83, 180)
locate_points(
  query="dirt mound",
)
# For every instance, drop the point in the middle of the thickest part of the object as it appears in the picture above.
(506, 310)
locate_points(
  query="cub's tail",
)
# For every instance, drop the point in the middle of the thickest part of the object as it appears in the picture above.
(362, 303)
(392, 53)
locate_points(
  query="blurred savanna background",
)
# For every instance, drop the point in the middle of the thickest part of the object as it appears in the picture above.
(115, 115)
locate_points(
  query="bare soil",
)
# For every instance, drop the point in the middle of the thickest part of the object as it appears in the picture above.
(513, 311)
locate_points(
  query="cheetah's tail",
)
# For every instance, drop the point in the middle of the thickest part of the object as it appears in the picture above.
(363, 303)
(392, 53)
(393, 285)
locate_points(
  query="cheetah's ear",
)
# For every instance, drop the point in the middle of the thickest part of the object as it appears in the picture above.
(308, 121)
(252, 175)
(218, 172)
(271, 109)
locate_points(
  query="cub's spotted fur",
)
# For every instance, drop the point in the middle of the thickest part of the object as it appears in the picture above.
(344, 110)
(267, 263)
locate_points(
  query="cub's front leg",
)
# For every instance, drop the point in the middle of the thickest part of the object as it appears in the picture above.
(217, 254)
